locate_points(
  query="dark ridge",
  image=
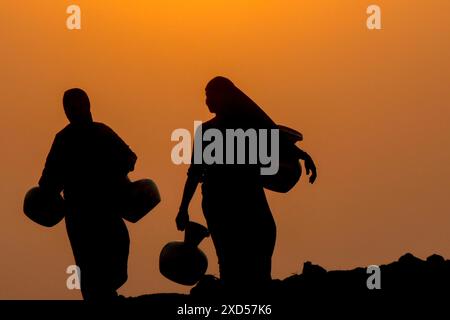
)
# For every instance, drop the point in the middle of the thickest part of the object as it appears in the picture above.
(407, 280)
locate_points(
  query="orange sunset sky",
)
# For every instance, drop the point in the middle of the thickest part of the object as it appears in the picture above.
(373, 106)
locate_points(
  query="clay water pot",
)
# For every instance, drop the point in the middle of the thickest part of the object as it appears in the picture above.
(43, 208)
(140, 198)
(182, 261)
(289, 170)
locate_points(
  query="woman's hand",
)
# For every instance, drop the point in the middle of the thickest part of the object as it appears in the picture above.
(182, 219)
(310, 168)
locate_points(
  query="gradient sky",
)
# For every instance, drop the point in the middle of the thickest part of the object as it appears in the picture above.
(373, 107)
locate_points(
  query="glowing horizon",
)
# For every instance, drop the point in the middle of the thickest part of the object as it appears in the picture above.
(372, 107)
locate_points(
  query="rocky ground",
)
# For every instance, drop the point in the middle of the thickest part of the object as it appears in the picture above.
(403, 284)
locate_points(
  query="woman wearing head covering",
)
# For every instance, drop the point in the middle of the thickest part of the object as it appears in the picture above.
(234, 203)
(89, 162)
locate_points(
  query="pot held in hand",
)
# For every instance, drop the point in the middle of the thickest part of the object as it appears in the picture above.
(182, 261)
(44, 208)
(289, 170)
(141, 197)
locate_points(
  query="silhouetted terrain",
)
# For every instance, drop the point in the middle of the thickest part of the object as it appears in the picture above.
(408, 285)
(409, 280)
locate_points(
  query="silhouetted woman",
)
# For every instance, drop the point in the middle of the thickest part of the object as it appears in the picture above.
(90, 163)
(234, 204)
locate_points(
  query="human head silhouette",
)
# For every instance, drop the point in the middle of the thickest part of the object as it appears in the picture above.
(218, 94)
(77, 106)
(228, 101)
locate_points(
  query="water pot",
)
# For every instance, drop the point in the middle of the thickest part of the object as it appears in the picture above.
(44, 208)
(182, 261)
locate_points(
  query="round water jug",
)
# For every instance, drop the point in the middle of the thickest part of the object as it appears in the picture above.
(289, 169)
(43, 208)
(141, 197)
(182, 261)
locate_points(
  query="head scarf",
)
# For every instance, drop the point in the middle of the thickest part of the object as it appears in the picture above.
(77, 106)
(237, 106)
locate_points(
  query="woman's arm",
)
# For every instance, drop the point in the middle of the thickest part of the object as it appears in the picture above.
(194, 176)
(189, 190)
(309, 164)
(51, 180)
